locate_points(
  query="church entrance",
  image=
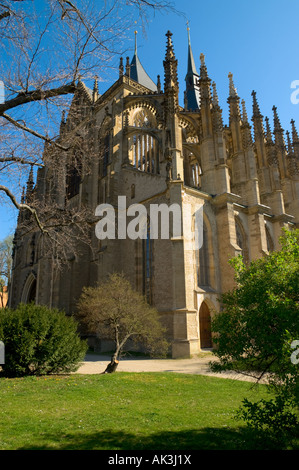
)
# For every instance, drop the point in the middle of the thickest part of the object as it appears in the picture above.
(205, 326)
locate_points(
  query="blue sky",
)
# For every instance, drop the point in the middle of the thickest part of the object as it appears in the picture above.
(256, 40)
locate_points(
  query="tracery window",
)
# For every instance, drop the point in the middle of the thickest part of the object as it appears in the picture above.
(192, 171)
(195, 173)
(143, 146)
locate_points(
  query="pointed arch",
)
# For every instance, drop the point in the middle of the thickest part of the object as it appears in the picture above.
(143, 144)
(241, 238)
(105, 145)
(29, 289)
(205, 257)
(205, 330)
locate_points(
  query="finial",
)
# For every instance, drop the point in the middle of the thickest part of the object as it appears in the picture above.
(215, 95)
(203, 67)
(169, 46)
(135, 32)
(232, 89)
(277, 125)
(95, 92)
(244, 113)
(255, 105)
(268, 131)
(188, 32)
(295, 136)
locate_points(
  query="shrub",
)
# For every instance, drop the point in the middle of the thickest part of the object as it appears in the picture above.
(39, 341)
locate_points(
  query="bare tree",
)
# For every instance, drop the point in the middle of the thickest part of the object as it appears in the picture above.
(48, 49)
(116, 312)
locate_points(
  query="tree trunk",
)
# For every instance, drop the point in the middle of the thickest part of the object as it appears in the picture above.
(112, 366)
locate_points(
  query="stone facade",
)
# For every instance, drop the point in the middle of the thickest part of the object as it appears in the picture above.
(153, 151)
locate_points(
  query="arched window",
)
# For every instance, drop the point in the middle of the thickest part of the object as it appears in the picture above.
(192, 170)
(104, 153)
(143, 146)
(144, 118)
(73, 174)
(241, 239)
(203, 264)
(29, 290)
(270, 244)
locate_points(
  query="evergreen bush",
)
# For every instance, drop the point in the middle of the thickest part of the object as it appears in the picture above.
(39, 341)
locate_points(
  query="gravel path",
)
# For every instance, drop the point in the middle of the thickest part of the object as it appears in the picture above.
(96, 364)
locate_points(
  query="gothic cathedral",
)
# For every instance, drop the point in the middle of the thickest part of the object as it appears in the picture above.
(151, 150)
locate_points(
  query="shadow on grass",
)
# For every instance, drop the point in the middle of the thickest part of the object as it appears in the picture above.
(206, 439)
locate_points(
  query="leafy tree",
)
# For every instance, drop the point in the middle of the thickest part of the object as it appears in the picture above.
(39, 341)
(113, 310)
(257, 329)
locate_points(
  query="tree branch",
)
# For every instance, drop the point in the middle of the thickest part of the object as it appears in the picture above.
(36, 95)
(23, 206)
(31, 131)
(23, 161)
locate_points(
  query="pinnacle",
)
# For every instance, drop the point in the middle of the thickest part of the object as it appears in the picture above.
(232, 89)
(277, 125)
(244, 113)
(268, 131)
(255, 106)
(295, 136)
(215, 95)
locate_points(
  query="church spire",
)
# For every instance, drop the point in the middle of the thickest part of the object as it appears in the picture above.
(192, 96)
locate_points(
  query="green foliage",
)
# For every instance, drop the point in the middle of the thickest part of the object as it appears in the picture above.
(39, 341)
(114, 310)
(273, 417)
(259, 322)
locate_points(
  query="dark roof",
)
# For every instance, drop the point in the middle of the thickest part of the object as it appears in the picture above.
(192, 89)
(138, 74)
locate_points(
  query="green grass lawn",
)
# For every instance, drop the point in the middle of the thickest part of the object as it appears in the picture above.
(121, 411)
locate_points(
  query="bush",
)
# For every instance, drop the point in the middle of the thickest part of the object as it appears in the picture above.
(274, 417)
(39, 341)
